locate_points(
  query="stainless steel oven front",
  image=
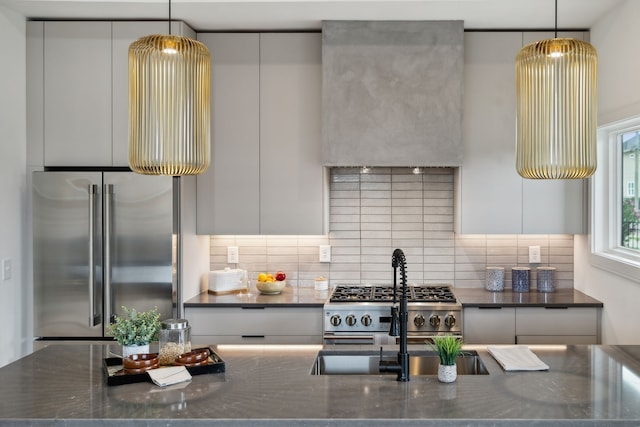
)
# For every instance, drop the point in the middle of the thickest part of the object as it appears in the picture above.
(369, 323)
(358, 323)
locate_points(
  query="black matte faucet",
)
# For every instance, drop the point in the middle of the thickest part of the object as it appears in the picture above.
(401, 366)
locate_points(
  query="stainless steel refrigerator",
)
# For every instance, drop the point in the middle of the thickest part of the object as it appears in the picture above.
(101, 240)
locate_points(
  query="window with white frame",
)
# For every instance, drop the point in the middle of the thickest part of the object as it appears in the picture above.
(615, 208)
(629, 145)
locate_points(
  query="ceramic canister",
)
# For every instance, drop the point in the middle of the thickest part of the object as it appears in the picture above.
(495, 279)
(520, 279)
(321, 283)
(545, 280)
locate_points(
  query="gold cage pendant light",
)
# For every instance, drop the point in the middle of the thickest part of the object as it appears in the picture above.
(169, 108)
(556, 108)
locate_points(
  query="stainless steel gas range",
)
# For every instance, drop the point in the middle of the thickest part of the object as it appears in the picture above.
(361, 314)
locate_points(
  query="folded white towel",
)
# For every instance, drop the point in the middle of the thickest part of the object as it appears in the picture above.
(169, 375)
(517, 358)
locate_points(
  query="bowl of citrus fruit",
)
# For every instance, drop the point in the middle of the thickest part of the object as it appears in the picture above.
(271, 284)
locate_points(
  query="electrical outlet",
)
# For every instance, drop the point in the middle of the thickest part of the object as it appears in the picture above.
(534, 254)
(325, 253)
(233, 256)
(6, 269)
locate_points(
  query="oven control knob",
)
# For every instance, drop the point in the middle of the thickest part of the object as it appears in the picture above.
(419, 320)
(335, 320)
(450, 321)
(366, 320)
(351, 320)
(434, 320)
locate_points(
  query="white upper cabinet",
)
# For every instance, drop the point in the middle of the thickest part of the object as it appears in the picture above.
(78, 99)
(35, 93)
(292, 176)
(266, 175)
(490, 189)
(491, 197)
(77, 93)
(228, 193)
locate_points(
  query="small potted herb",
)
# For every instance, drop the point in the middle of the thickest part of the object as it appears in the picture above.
(135, 330)
(448, 348)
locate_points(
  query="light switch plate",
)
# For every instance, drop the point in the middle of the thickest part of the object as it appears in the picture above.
(6, 269)
(233, 256)
(325, 253)
(534, 254)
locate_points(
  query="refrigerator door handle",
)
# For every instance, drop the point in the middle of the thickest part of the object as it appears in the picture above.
(108, 199)
(94, 319)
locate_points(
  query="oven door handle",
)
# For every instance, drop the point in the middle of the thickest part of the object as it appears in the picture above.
(349, 339)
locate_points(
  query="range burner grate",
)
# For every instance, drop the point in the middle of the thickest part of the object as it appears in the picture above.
(432, 294)
(383, 293)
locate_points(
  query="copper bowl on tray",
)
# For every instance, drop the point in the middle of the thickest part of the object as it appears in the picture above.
(193, 358)
(138, 363)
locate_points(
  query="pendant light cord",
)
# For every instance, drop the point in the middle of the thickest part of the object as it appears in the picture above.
(170, 16)
(556, 22)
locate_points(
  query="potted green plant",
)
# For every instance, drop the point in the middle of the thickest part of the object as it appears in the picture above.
(448, 348)
(135, 330)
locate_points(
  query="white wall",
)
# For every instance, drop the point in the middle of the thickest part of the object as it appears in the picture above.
(616, 37)
(14, 292)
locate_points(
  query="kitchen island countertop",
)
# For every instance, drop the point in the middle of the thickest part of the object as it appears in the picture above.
(272, 385)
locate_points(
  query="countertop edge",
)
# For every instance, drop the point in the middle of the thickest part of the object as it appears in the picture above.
(525, 304)
(336, 422)
(467, 297)
(561, 298)
(253, 305)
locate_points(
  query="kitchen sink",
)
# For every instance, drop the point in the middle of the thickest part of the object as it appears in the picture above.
(336, 362)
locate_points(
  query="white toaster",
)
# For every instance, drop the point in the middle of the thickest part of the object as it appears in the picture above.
(227, 280)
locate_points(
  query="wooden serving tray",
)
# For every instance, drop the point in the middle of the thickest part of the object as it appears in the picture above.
(114, 372)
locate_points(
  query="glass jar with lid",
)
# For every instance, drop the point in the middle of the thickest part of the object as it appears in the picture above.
(174, 339)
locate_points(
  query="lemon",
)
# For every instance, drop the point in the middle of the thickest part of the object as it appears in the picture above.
(262, 277)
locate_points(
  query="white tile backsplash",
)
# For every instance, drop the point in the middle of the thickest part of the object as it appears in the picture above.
(372, 214)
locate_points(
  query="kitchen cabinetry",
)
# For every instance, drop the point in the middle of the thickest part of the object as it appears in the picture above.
(255, 324)
(78, 96)
(489, 325)
(235, 138)
(77, 93)
(531, 325)
(265, 136)
(491, 197)
(557, 325)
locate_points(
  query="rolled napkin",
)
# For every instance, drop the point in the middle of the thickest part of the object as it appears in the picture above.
(517, 358)
(169, 375)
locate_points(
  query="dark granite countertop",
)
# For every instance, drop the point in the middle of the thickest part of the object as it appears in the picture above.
(559, 298)
(290, 296)
(468, 297)
(63, 385)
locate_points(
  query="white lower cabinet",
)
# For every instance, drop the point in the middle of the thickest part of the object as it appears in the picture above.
(531, 325)
(255, 325)
(489, 325)
(557, 325)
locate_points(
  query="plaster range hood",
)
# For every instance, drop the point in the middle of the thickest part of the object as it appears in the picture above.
(392, 93)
